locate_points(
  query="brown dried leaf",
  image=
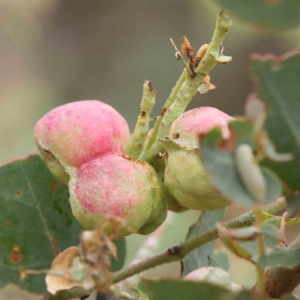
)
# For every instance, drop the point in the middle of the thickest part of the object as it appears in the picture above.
(205, 86)
(14, 292)
(91, 269)
(190, 52)
(97, 244)
(97, 248)
(220, 58)
(187, 49)
(62, 280)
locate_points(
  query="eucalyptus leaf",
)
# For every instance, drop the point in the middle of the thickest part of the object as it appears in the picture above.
(212, 262)
(245, 295)
(277, 219)
(289, 297)
(281, 257)
(242, 132)
(273, 184)
(268, 14)
(117, 263)
(293, 202)
(199, 257)
(222, 260)
(36, 222)
(174, 289)
(228, 237)
(244, 243)
(219, 159)
(277, 80)
(223, 174)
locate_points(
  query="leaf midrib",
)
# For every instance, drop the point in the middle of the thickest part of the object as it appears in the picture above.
(47, 231)
(281, 105)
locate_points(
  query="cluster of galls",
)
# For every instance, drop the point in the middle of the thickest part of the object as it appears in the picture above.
(86, 144)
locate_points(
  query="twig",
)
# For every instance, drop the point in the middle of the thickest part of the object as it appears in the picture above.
(142, 125)
(260, 275)
(179, 56)
(282, 230)
(189, 87)
(168, 103)
(178, 252)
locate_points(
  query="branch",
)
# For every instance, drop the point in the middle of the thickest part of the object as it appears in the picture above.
(185, 91)
(260, 274)
(178, 252)
(168, 103)
(142, 125)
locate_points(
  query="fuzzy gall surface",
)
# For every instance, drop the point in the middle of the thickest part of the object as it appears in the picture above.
(186, 129)
(173, 204)
(185, 176)
(120, 186)
(75, 133)
(159, 166)
(187, 180)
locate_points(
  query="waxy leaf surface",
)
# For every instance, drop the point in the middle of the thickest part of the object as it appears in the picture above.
(36, 222)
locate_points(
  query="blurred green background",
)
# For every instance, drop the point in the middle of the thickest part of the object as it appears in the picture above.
(58, 51)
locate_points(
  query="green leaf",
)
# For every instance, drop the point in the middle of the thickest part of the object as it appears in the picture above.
(245, 295)
(295, 243)
(200, 257)
(219, 161)
(278, 86)
(274, 188)
(117, 264)
(271, 234)
(92, 295)
(212, 262)
(36, 222)
(73, 293)
(242, 132)
(213, 137)
(293, 203)
(270, 228)
(168, 289)
(222, 260)
(224, 175)
(231, 239)
(281, 257)
(243, 241)
(289, 297)
(271, 14)
(290, 221)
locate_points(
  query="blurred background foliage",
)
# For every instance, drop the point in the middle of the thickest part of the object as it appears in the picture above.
(57, 51)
